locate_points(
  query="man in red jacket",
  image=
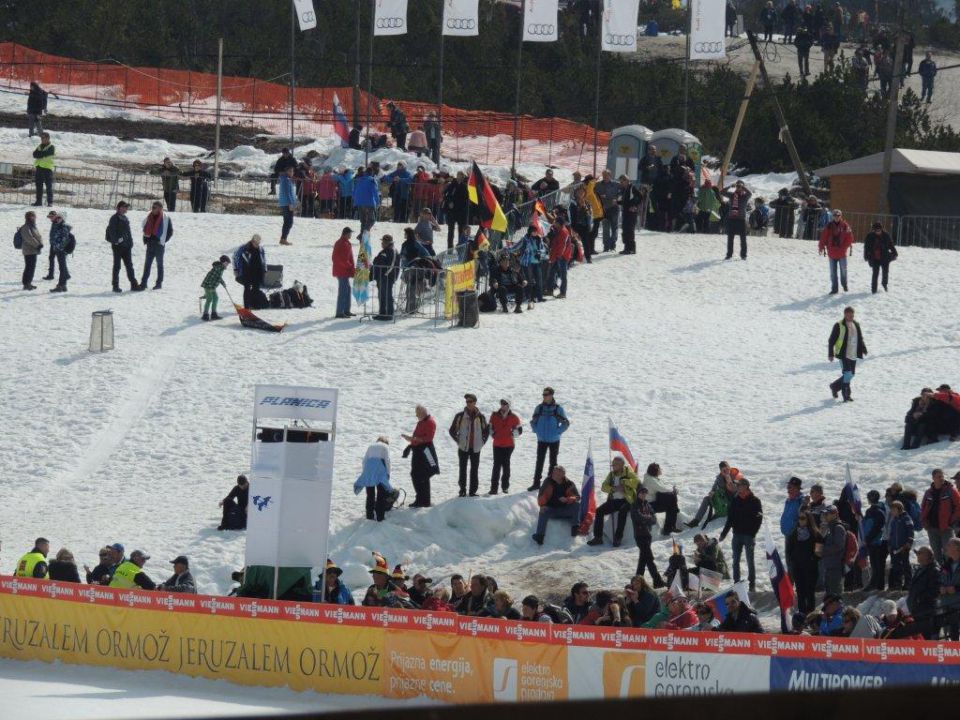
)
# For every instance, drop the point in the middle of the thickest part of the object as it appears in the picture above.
(835, 242)
(504, 426)
(939, 511)
(343, 270)
(560, 254)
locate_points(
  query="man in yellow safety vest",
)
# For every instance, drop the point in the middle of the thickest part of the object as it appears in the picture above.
(129, 573)
(43, 161)
(34, 563)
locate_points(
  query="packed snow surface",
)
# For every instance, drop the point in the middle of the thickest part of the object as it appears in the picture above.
(694, 358)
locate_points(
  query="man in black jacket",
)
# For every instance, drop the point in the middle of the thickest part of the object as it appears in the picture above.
(235, 505)
(924, 587)
(286, 160)
(630, 202)
(505, 279)
(386, 267)
(879, 251)
(740, 618)
(913, 427)
(744, 518)
(845, 342)
(121, 242)
(181, 581)
(398, 125)
(36, 108)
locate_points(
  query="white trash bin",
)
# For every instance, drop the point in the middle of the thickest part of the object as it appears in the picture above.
(101, 331)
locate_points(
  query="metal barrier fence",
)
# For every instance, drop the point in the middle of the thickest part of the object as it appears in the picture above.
(926, 231)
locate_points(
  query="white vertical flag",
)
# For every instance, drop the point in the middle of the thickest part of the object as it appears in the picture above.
(619, 26)
(390, 17)
(461, 18)
(540, 21)
(306, 16)
(707, 18)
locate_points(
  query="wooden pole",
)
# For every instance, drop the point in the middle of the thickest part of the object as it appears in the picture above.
(785, 135)
(751, 83)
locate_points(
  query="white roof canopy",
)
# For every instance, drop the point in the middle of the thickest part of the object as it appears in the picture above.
(910, 162)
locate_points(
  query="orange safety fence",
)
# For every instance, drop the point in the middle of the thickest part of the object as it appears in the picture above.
(187, 96)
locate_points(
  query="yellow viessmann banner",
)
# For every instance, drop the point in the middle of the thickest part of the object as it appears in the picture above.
(300, 655)
(460, 278)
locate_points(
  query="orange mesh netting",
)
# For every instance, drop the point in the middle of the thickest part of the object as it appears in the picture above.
(189, 96)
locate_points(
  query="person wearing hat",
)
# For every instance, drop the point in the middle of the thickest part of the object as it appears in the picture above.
(874, 523)
(129, 574)
(199, 187)
(43, 161)
(644, 519)
(287, 202)
(846, 343)
(334, 591)
(34, 563)
(157, 231)
(212, 280)
(831, 619)
(250, 269)
(836, 239)
(401, 184)
(384, 589)
(375, 478)
(421, 589)
(61, 245)
(384, 272)
(470, 431)
(31, 245)
(343, 269)
(397, 125)
(549, 422)
(879, 251)
(744, 519)
(833, 554)
(791, 506)
(505, 427)
(121, 243)
(117, 556)
(181, 581)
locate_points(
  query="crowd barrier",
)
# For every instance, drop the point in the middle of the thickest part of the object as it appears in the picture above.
(451, 658)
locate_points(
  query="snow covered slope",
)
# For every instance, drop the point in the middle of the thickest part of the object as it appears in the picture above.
(695, 359)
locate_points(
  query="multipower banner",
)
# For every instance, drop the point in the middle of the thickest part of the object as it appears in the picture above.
(406, 654)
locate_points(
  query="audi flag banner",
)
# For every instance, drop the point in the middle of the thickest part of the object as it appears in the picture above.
(620, 25)
(461, 18)
(707, 19)
(540, 21)
(305, 14)
(390, 17)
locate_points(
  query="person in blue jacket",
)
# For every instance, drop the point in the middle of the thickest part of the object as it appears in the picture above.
(287, 200)
(874, 522)
(530, 251)
(331, 589)
(344, 178)
(791, 506)
(549, 422)
(375, 477)
(899, 540)
(400, 182)
(366, 198)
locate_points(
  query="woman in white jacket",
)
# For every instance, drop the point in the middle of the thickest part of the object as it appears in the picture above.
(375, 477)
(664, 498)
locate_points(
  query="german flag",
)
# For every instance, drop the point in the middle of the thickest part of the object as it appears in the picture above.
(481, 195)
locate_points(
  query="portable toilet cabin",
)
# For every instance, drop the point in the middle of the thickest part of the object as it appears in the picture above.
(668, 143)
(628, 144)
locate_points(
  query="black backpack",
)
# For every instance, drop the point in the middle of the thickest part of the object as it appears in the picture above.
(71, 245)
(17, 241)
(559, 615)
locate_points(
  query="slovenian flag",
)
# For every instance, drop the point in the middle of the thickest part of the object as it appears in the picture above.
(618, 443)
(340, 125)
(588, 496)
(851, 493)
(782, 585)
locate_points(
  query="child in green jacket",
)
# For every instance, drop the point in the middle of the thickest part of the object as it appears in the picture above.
(209, 285)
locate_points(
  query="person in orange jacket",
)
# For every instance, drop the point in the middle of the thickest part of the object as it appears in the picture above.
(835, 242)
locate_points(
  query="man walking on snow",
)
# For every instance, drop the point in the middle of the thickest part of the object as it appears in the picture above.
(845, 342)
(835, 242)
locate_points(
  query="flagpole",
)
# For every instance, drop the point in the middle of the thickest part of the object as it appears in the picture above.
(440, 84)
(516, 104)
(596, 106)
(686, 67)
(356, 71)
(293, 40)
(373, 20)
